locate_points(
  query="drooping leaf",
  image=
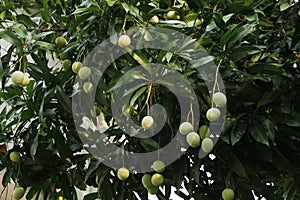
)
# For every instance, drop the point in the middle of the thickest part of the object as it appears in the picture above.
(259, 134)
(237, 166)
(10, 38)
(7, 177)
(64, 100)
(219, 20)
(26, 20)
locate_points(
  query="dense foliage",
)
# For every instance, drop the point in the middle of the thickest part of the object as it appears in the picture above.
(257, 45)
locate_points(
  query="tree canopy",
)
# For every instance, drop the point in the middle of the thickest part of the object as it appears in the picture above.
(254, 44)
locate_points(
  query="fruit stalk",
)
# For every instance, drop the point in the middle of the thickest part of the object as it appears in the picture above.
(216, 79)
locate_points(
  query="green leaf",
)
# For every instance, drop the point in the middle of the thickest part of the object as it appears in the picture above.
(195, 172)
(63, 99)
(267, 98)
(227, 35)
(2, 15)
(204, 40)
(27, 114)
(284, 6)
(134, 11)
(149, 144)
(42, 35)
(292, 119)
(104, 186)
(1, 69)
(36, 188)
(212, 25)
(137, 95)
(130, 91)
(80, 11)
(266, 22)
(280, 160)
(142, 60)
(269, 126)
(265, 68)
(168, 191)
(45, 13)
(71, 47)
(11, 38)
(202, 61)
(20, 30)
(34, 146)
(110, 3)
(174, 23)
(90, 10)
(41, 109)
(259, 134)
(168, 56)
(129, 78)
(190, 19)
(7, 176)
(227, 17)
(44, 45)
(92, 167)
(239, 33)
(236, 165)
(238, 9)
(26, 20)
(13, 91)
(217, 16)
(125, 6)
(175, 66)
(187, 45)
(91, 196)
(41, 65)
(237, 133)
(243, 51)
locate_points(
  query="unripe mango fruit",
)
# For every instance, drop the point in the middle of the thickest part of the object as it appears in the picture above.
(146, 181)
(124, 41)
(25, 81)
(76, 66)
(185, 128)
(14, 156)
(123, 173)
(147, 122)
(172, 15)
(158, 166)
(84, 73)
(157, 179)
(204, 131)
(18, 193)
(60, 42)
(193, 139)
(207, 145)
(228, 194)
(213, 114)
(219, 99)
(17, 77)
